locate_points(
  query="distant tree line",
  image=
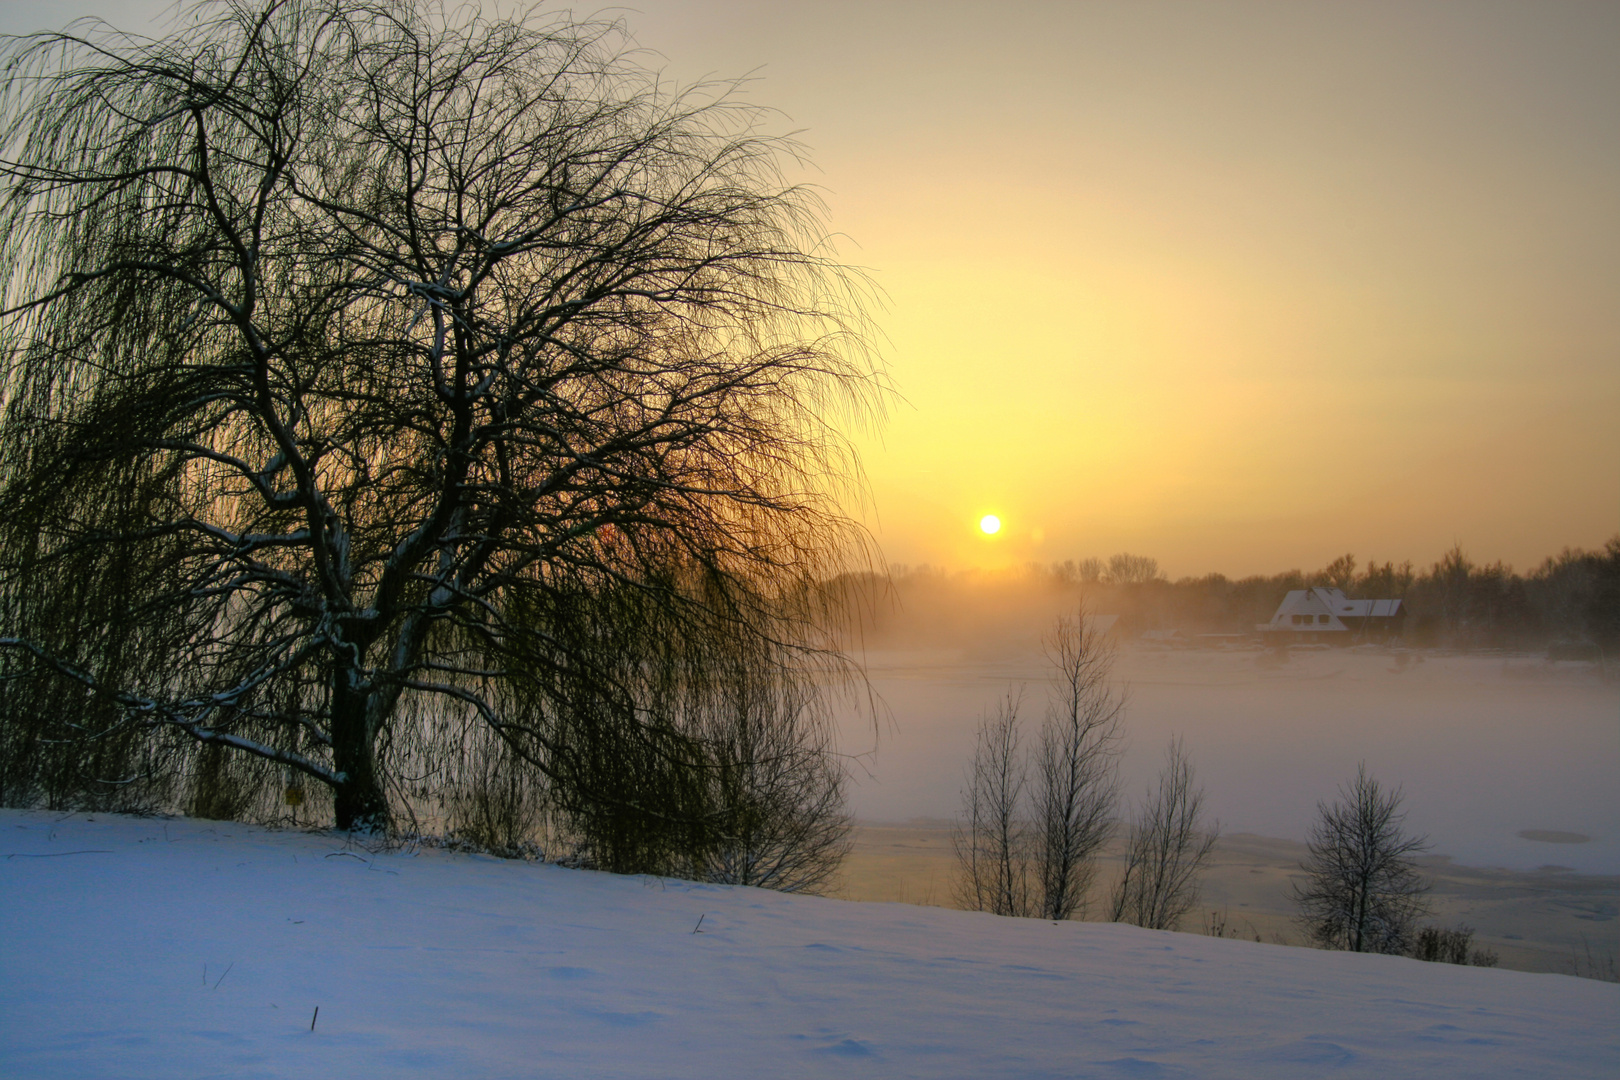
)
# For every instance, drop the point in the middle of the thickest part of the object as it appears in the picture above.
(1572, 597)
(1456, 602)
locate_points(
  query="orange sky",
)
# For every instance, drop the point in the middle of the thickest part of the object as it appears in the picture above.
(1239, 286)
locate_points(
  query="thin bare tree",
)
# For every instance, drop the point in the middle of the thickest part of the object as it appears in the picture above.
(1076, 765)
(1166, 851)
(375, 369)
(1362, 891)
(1033, 823)
(992, 837)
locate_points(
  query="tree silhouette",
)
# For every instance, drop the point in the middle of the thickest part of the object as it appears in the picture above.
(1362, 892)
(1033, 823)
(372, 370)
(1166, 850)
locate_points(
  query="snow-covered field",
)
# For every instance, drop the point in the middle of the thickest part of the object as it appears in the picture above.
(177, 948)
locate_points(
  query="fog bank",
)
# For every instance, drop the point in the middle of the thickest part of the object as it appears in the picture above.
(1505, 761)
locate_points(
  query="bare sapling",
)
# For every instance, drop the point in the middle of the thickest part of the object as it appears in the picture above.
(992, 846)
(1034, 822)
(1076, 765)
(1167, 849)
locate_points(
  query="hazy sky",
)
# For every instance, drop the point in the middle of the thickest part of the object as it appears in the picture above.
(1238, 285)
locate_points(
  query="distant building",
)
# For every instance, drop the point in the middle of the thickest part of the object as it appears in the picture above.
(1327, 615)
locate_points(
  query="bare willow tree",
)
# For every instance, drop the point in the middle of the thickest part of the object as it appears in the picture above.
(1362, 891)
(992, 836)
(376, 369)
(1076, 764)
(1033, 825)
(1166, 851)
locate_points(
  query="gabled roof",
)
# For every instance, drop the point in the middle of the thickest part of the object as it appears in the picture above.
(1332, 603)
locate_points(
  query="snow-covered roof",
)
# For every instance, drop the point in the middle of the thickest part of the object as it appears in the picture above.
(1333, 604)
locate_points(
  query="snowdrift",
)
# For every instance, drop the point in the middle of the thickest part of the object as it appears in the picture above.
(135, 948)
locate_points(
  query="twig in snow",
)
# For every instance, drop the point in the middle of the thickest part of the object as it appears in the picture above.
(227, 972)
(698, 929)
(57, 854)
(313, 1018)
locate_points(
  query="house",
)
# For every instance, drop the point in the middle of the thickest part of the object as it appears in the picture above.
(1327, 615)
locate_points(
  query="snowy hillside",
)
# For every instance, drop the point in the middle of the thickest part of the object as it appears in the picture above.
(148, 948)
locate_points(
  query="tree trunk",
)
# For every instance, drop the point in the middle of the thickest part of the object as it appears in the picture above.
(358, 803)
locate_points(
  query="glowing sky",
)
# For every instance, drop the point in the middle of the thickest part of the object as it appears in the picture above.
(1239, 286)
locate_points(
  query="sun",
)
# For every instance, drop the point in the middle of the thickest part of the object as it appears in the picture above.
(989, 524)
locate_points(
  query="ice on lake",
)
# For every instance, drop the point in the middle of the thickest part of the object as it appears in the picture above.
(1505, 761)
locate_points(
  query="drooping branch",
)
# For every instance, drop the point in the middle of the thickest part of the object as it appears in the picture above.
(190, 717)
(382, 368)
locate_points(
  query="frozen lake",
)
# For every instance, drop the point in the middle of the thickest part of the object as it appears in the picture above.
(1504, 761)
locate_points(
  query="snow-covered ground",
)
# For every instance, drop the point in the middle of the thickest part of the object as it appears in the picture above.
(177, 948)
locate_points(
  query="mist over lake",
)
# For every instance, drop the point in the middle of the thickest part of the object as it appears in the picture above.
(1486, 747)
